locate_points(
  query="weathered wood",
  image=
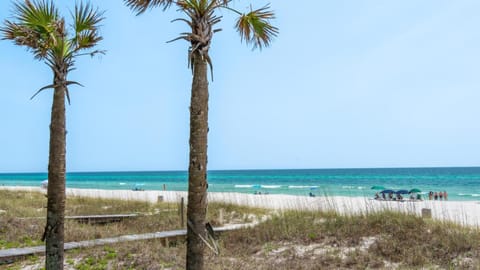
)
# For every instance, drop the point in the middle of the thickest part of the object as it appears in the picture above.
(96, 219)
(101, 219)
(426, 213)
(14, 254)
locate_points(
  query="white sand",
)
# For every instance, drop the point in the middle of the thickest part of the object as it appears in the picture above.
(462, 212)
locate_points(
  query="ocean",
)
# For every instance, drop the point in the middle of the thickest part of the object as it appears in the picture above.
(462, 184)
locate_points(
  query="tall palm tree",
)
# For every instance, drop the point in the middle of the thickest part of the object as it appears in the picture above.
(200, 15)
(38, 26)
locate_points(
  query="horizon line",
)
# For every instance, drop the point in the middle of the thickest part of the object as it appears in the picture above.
(262, 169)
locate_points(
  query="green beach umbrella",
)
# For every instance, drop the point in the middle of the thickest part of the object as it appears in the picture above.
(414, 190)
(378, 187)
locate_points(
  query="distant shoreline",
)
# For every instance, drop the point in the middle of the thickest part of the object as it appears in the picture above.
(461, 212)
(258, 169)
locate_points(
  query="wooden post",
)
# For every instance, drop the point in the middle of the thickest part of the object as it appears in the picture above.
(220, 216)
(426, 213)
(182, 206)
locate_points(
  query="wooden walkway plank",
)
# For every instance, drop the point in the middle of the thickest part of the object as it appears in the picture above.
(101, 219)
(95, 219)
(13, 254)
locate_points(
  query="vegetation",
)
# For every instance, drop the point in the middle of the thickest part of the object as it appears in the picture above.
(200, 15)
(38, 26)
(21, 225)
(288, 240)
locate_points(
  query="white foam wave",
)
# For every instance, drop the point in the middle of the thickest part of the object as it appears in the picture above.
(257, 186)
(302, 186)
(271, 186)
(122, 184)
(243, 186)
(471, 195)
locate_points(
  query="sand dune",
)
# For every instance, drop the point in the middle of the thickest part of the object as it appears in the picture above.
(462, 212)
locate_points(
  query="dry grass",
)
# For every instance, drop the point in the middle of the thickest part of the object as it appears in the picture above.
(23, 222)
(290, 240)
(387, 240)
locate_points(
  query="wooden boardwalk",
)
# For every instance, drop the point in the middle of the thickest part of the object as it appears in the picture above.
(101, 219)
(95, 219)
(13, 254)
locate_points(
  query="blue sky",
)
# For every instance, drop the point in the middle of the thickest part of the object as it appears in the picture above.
(345, 84)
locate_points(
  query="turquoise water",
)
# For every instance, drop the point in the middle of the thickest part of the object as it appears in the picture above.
(460, 183)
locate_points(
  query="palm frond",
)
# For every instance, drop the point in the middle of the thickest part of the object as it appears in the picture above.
(41, 89)
(254, 27)
(222, 2)
(39, 13)
(200, 7)
(189, 5)
(36, 26)
(86, 25)
(140, 6)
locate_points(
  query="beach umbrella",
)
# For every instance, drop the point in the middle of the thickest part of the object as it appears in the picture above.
(387, 191)
(378, 187)
(414, 190)
(402, 191)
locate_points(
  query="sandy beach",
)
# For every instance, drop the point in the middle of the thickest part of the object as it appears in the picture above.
(461, 212)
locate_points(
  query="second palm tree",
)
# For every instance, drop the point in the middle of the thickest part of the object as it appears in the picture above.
(254, 27)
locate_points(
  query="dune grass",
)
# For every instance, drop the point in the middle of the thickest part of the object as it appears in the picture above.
(287, 240)
(23, 221)
(314, 240)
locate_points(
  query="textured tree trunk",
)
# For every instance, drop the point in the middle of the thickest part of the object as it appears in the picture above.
(54, 231)
(197, 170)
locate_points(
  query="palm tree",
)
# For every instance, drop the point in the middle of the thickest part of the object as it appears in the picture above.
(200, 16)
(38, 26)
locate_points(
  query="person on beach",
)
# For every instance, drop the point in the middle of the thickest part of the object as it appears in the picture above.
(430, 195)
(383, 196)
(435, 195)
(440, 195)
(390, 196)
(445, 195)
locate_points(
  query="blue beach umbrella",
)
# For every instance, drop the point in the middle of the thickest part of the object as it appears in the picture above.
(387, 191)
(402, 191)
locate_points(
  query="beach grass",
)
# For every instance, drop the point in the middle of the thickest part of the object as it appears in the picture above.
(23, 218)
(290, 239)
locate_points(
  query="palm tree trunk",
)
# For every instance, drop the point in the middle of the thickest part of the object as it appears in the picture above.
(54, 231)
(197, 170)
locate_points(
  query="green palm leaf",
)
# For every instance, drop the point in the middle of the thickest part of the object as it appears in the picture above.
(36, 14)
(86, 24)
(140, 6)
(254, 27)
(37, 26)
